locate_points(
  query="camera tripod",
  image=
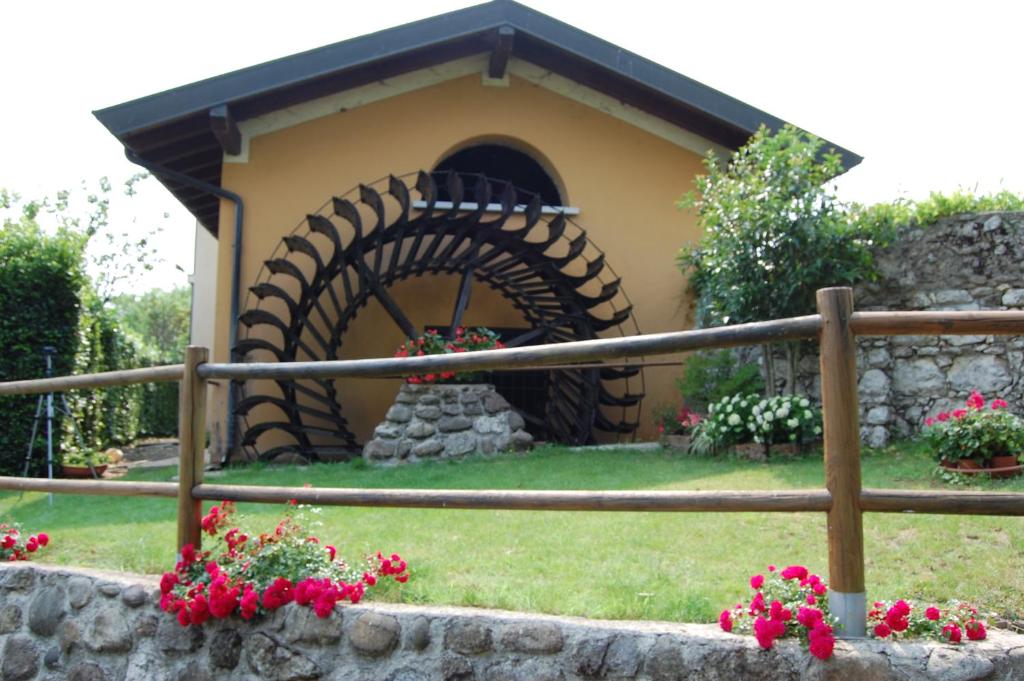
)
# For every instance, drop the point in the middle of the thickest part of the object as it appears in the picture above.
(46, 405)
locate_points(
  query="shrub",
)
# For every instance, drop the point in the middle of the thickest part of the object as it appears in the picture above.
(41, 279)
(255, 574)
(672, 421)
(785, 418)
(726, 424)
(774, 233)
(976, 432)
(905, 619)
(790, 602)
(710, 375)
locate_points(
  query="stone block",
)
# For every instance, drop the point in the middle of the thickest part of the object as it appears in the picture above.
(225, 649)
(134, 596)
(874, 384)
(986, 373)
(109, 632)
(374, 634)
(303, 626)
(460, 444)
(468, 637)
(46, 610)
(428, 448)
(429, 412)
(451, 409)
(388, 430)
(918, 377)
(399, 413)
(20, 660)
(494, 403)
(533, 638)
(376, 450)
(274, 661)
(10, 619)
(454, 424)
(418, 634)
(79, 592)
(1013, 297)
(420, 429)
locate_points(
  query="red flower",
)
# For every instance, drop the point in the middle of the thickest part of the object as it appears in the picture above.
(249, 603)
(332, 551)
(277, 594)
(942, 416)
(932, 613)
(929, 421)
(766, 631)
(757, 605)
(975, 630)
(8, 541)
(32, 545)
(999, 404)
(199, 610)
(822, 644)
(952, 633)
(959, 414)
(167, 582)
(756, 581)
(882, 630)
(43, 538)
(725, 620)
(809, 617)
(795, 572)
(975, 401)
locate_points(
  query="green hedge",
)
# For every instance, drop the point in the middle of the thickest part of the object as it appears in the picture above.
(41, 278)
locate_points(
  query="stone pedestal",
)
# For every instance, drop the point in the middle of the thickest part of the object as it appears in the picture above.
(446, 421)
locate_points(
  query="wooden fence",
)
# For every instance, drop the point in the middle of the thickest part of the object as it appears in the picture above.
(844, 500)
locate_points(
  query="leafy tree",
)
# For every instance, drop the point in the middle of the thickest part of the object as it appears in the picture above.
(158, 320)
(774, 233)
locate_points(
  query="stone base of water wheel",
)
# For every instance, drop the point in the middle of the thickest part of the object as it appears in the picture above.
(429, 422)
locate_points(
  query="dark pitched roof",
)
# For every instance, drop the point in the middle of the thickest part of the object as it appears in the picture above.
(173, 128)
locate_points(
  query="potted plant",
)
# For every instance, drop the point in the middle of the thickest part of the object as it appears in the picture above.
(433, 343)
(675, 426)
(76, 463)
(727, 426)
(982, 438)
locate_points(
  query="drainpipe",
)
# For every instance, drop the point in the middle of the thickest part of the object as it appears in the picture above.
(236, 265)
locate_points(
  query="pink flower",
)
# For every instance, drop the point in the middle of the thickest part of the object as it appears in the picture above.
(999, 404)
(766, 631)
(975, 630)
(959, 414)
(942, 416)
(821, 646)
(44, 538)
(795, 572)
(882, 630)
(811, 600)
(809, 617)
(932, 613)
(771, 568)
(756, 581)
(929, 421)
(952, 633)
(757, 605)
(975, 401)
(250, 601)
(725, 620)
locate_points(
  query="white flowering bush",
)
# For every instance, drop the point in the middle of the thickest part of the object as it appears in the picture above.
(784, 418)
(726, 424)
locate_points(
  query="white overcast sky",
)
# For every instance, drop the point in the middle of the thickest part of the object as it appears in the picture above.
(928, 92)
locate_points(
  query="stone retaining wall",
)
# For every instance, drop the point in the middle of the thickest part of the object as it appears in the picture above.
(61, 623)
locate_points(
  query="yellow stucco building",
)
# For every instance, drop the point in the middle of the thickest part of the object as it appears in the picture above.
(488, 167)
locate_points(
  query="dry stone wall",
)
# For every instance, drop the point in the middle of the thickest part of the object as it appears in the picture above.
(966, 262)
(430, 421)
(59, 623)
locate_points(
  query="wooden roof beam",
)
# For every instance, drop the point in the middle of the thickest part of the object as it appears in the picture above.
(225, 129)
(504, 37)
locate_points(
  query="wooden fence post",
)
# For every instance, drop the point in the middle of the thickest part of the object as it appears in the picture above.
(192, 443)
(840, 408)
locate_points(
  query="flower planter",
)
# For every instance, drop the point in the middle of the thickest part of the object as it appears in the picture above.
(973, 467)
(71, 471)
(677, 442)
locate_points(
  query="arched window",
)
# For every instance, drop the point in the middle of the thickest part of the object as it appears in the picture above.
(505, 164)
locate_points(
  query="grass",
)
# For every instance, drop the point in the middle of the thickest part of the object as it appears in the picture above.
(662, 566)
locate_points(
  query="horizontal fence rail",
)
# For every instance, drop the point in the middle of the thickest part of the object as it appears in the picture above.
(968, 323)
(95, 487)
(107, 379)
(529, 500)
(942, 503)
(797, 328)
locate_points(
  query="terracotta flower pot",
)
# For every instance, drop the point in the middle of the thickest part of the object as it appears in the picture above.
(1004, 466)
(751, 450)
(785, 449)
(968, 464)
(70, 471)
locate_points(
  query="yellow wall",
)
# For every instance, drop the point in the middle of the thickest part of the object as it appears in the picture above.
(624, 180)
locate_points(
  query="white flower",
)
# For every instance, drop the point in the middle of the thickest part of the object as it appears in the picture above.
(817, 430)
(743, 403)
(751, 426)
(734, 419)
(768, 416)
(808, 415)
(783, 412)
(805, 402)
(728, 407)
(757, 410)
(735, 398)
(792, 423)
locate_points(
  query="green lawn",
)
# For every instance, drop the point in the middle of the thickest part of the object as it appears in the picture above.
(661, 566)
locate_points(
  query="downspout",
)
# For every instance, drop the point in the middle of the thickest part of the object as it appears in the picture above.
(236, 265)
